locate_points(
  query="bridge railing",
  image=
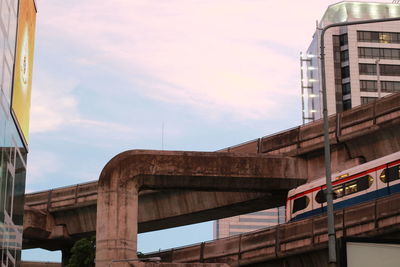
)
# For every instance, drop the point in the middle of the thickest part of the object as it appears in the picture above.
(340, 125)
(380, 216)
(63, 196)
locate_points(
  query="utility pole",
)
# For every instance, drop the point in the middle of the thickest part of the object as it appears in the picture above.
(327, 149)
(378, 78)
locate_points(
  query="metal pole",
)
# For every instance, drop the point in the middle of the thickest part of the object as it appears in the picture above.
(329, 193)
(302, 88)
(327, 154)
(378, 78)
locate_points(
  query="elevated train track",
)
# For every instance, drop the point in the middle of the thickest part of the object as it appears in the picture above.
(302, 241)
(54, 218)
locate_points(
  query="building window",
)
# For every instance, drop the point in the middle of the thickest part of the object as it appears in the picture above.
(345, 72)
(390, 70)
(385, 69)
(385, 53)
(346, 104)
(259, 220)
(367, 69)
(378, 37)
(388, 86)
(346, 89)
(343, 39)
(344, 55)
(367, 99)
(368, 86)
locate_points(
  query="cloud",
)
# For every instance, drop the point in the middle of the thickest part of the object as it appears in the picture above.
(41, 164)
(213, 56)
(235, 57)
(55, 106)
(53, 103)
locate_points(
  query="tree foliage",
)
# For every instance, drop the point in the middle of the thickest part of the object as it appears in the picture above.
(83, 253)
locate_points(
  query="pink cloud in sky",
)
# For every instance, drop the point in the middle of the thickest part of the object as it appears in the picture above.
(230, 56)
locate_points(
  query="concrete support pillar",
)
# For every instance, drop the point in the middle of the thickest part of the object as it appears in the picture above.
(65, 255)
(117, 222)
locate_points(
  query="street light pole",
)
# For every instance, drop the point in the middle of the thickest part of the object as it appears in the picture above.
(378, 78)
(327, 150)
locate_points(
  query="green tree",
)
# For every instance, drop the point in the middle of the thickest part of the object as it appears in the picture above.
(83, 253)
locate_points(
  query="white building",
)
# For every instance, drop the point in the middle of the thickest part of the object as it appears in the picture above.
(248, 222)
(356, 58)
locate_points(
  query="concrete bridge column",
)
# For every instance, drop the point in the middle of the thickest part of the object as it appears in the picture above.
(65, 255)
(134, 170)
(117, 217)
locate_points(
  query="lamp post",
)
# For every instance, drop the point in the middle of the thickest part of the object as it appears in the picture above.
(378, 78)
(327, 151)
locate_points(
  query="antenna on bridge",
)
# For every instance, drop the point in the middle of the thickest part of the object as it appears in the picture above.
(162, 136)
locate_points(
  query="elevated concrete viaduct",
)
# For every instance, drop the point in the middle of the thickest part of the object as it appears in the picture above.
(129, 172)
(358, 135)
(238, 177)
(56, 218)
(300, 244)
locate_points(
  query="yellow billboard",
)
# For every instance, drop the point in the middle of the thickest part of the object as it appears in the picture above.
(22, 84)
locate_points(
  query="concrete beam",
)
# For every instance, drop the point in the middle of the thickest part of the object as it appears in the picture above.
(170, 208)
(129, 172)
(358, 135)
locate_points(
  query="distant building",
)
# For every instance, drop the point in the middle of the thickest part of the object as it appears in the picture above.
(17, 30)
(353, 54)
(248, 222)
(356, 58)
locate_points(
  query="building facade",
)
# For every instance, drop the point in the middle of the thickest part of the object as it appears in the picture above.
(17, 24)
(248, 222)
(362, 62)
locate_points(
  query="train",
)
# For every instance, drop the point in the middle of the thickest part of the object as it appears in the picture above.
(368, 181)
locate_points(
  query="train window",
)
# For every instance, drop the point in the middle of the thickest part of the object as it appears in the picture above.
(345, 189)
(390, 174)
(351, 188)
(337, 193)
(300, 203)
(358, 185)
(320, 197)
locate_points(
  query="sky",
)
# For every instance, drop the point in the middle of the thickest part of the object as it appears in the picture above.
(197, 75)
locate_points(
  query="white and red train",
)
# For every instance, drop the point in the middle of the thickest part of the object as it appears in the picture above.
(365, 182)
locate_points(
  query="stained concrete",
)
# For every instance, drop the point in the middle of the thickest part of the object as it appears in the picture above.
(359, 135)
(129, 172)
(301, 243)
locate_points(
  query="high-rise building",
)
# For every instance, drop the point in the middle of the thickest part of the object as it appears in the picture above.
(362, 62)
(17, 30)
(248, 222)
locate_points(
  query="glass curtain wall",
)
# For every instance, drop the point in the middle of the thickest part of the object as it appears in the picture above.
(12, 151)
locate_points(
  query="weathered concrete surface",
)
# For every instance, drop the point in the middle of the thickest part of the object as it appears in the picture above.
(39, 264)
(302, 243)
(136, 264)
(131, 171)
(358, 135)
(161, 264)
(74, 208)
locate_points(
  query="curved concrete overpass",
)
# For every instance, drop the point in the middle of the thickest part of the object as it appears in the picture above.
(361, 134)
(55, 218)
